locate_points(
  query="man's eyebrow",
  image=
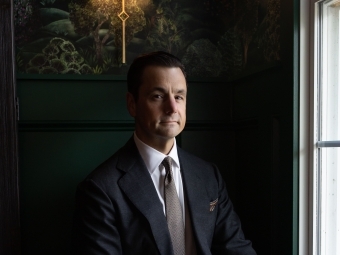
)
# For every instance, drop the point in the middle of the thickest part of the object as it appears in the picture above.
(161, 89)
(181, 92)
(158, 89)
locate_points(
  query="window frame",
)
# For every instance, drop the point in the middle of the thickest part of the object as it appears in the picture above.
(309, 139)
(306, 126)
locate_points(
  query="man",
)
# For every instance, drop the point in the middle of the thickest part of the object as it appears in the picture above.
(152, 197)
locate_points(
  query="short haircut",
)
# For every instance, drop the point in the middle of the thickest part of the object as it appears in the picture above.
(158, 58)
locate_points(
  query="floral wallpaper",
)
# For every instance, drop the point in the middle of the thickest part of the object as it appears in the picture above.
(226, 38)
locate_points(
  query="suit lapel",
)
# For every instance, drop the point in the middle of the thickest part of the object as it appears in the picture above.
(139, 188)
(197, 199)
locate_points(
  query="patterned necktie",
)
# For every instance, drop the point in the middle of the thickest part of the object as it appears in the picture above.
(173, 210)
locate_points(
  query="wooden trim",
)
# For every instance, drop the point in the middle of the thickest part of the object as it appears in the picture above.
(261, 70)
(96, 126)
(9, 191)
(75, 126)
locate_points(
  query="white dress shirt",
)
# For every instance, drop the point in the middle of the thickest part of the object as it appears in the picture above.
(153, 159)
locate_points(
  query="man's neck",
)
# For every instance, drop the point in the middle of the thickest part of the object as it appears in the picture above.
(162, 145)
(164, 148)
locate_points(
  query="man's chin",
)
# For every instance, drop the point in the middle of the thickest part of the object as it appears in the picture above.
(169, 135)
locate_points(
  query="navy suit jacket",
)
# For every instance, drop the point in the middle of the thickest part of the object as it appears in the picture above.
(118, 210)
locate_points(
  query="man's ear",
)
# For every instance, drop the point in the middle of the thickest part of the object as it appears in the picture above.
(131, 104)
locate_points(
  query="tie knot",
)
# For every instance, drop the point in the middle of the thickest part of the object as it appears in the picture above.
(168, 172)
(167, 163)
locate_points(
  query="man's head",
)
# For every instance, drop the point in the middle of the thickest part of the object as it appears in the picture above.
(158, 58)
(156, 98)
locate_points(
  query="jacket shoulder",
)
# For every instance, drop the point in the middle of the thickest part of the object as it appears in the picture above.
(112, 169)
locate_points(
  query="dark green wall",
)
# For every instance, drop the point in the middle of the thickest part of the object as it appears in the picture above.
(247, 127)
(68, 127)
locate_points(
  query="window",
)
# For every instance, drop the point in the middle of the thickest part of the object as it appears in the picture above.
(326, 160)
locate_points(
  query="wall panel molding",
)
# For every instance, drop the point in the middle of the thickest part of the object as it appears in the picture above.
(64, 126)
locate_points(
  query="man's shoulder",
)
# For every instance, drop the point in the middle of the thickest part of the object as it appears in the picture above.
(113, 167)
(106, 169)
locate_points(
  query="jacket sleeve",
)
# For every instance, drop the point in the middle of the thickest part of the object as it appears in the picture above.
(228, 235)
(94, 224)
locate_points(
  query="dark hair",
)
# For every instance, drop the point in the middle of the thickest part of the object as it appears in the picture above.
(158, 58)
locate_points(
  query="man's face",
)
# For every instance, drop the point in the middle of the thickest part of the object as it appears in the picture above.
(160, 110)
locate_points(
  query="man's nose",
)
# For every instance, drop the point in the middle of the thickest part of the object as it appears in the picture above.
(171, 105)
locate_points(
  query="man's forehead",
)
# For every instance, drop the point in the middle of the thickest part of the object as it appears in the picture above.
(162, 78)
(154, 69)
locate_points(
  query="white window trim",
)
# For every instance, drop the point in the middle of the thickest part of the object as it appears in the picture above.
(306, 127)
(308, 140)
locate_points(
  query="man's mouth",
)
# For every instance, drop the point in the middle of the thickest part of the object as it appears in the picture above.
(169, 121)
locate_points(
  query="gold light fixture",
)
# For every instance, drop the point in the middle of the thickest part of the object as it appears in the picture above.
(123, 16)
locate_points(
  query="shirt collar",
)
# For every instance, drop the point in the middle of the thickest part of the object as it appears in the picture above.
(152, 157)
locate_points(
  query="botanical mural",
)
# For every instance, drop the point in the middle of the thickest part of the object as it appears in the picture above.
(226, 38)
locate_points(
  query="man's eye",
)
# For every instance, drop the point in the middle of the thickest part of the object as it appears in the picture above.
(179, 98)
(157, 96)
